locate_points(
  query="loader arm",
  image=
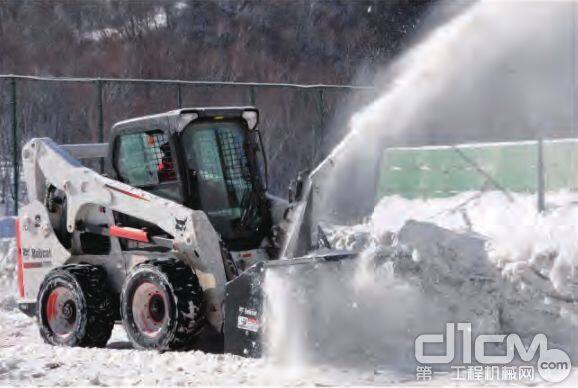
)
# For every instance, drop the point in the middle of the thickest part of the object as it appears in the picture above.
(194, 240)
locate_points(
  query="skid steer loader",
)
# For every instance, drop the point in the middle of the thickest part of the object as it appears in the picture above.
(173, 239)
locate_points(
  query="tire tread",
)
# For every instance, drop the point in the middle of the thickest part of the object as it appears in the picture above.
(186, 292)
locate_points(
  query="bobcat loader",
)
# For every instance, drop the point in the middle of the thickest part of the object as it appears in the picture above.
(173, 239)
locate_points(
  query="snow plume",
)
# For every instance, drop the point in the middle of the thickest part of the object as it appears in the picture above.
(493, 69)
(499, 70)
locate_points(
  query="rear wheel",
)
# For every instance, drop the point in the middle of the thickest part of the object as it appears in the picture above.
(75, 307)
(162, 305)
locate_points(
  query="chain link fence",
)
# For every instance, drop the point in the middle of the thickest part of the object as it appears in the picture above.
(530, 167)
(300, 123)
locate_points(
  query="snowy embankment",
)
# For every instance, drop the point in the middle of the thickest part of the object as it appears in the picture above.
(533, 258)
(508, 269)
(488, 259)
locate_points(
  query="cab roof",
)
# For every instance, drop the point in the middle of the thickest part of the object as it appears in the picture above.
(168, 119)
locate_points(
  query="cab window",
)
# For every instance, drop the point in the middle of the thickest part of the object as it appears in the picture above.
(145, 160)
(218, 164)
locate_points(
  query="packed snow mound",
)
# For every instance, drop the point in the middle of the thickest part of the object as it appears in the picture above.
(366, 312)
(520, 238)
(486, 258)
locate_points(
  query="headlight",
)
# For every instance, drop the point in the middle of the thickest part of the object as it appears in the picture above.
(251, 117)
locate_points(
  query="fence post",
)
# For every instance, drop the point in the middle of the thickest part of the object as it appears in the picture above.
(179, 96)
(15, 148)
(100, 122)
(252, 96)
(541, 176)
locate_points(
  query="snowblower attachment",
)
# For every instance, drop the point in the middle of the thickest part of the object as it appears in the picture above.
(247, 304)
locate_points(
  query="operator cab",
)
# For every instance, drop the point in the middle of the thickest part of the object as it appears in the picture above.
(204, 158)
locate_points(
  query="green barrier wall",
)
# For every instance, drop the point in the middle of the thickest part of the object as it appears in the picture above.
(430, 172)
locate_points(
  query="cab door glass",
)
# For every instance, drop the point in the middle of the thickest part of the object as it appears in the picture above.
(217, 161)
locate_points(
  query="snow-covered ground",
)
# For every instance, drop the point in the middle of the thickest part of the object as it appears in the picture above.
(26, 360)
(533, 260)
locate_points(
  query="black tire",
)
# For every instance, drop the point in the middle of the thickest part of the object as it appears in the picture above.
(75, 306)
(162, 305)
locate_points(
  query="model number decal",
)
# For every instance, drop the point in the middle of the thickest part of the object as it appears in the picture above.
(247, 320)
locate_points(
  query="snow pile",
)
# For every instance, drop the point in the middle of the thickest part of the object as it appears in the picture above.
(477, 257)
(536, 255)
(365, 313)
(332, 314)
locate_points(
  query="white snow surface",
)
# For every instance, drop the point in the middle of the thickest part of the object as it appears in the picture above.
(535, 255)
(398, 287)
(25, 360)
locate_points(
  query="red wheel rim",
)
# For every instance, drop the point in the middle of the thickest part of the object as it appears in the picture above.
(149, 309)
(61, 311)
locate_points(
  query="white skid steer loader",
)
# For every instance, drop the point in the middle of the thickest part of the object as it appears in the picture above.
(173, 240)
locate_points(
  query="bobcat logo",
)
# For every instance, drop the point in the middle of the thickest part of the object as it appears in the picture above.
(181, 225)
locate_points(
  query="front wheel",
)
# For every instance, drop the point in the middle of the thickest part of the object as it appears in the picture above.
(162, 305)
